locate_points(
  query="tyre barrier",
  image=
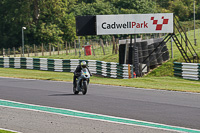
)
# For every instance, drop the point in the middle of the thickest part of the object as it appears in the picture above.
(187, 70)
(144, 54)
(165, 56)
(152, 58)
(158, 54)
(106, 69)
(140, 55)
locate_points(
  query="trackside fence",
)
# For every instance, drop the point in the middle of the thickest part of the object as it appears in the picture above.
(101, 68)
(187, 70)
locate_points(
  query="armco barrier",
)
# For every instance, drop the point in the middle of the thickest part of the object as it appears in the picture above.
(106, 69)
(187, 70)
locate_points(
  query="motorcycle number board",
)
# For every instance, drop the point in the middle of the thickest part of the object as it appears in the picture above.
(134, 23)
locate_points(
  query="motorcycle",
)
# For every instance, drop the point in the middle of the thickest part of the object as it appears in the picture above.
(82, 82)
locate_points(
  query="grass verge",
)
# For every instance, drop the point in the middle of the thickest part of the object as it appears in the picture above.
(150, 82)
(107, 58)
(4, 131)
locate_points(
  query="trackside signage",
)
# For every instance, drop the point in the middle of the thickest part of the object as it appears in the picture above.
(134, 23)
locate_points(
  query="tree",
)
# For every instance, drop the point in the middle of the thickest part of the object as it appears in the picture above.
(46, 21)
(135, 6)
(163, 3)
(53, 21)
(182, 8)
(54, 16)
(97, 8)
(12, 21)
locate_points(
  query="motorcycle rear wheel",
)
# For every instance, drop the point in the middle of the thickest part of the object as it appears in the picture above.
(75, 92)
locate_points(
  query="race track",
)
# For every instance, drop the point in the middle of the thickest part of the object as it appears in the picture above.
(166, 107)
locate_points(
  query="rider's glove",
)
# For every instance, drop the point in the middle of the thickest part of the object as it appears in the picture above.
(77, 74)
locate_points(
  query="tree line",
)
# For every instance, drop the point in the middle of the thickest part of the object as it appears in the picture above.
(53, 21)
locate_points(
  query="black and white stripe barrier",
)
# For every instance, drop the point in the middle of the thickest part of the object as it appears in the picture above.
(187, 70)
(106, 69)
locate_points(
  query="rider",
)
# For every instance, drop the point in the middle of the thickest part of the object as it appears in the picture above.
(77, 72)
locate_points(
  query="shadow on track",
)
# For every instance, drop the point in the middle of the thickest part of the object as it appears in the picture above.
(62, 95)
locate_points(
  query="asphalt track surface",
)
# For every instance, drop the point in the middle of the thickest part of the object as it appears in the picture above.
(165, 107)
(28, 121)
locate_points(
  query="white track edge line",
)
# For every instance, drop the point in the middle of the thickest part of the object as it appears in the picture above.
(10, 130)
(94, 114)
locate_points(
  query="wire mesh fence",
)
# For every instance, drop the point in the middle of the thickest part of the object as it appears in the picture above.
(79, 47)
(93, 47)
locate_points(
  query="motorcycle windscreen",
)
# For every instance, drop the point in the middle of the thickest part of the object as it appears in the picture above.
(85, 71)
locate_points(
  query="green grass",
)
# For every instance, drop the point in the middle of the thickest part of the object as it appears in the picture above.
(4, 131)
(167, 68)
(190, 34)
(160, 78)
(163, 83)
(190, 24)
(109, 57)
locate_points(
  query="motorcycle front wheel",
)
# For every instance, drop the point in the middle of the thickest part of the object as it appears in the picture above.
(84, 91)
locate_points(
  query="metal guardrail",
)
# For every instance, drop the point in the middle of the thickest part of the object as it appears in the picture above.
(106, 69)
(187, 70)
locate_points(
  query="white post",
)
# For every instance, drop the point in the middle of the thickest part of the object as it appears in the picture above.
(23, 28)
(80, 46)
(126, 51)
(172, 56)
(194, 25)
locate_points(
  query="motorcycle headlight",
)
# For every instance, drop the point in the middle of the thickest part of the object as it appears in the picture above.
(86, 73)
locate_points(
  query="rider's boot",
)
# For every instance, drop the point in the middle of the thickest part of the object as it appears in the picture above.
(74, 85)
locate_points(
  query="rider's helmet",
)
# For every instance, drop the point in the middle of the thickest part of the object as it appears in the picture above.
(83, 64)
